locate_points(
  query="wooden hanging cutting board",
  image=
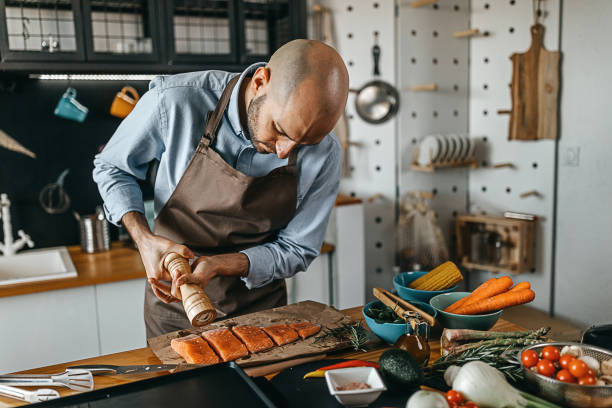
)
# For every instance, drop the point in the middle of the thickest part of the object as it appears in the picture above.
(311, 311)
(534, 90)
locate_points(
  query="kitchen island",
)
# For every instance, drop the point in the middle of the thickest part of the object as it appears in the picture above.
(145, 356)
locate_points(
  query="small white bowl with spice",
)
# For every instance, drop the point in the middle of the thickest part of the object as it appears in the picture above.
(355, 386)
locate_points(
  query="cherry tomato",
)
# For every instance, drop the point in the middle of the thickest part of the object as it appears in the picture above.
(565, 376)
(551, 353)
(546, 368)
(587, 380)
(470, 404)
(453, 405)
(565, 360)
(578, 368)
(529, 358)
(590, 373)
(454, 396)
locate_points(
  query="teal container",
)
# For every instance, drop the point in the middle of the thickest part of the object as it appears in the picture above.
(456, 321)
(390, 332)
(69, 108)
(404, 279)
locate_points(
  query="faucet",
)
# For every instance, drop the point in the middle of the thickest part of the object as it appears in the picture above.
(10, 247)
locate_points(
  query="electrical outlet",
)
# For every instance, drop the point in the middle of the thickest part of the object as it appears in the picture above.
(571, 156)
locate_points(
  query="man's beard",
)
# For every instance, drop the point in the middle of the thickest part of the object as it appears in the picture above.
(253, 120)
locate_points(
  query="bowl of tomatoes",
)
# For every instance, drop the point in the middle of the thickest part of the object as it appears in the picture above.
(571, 374)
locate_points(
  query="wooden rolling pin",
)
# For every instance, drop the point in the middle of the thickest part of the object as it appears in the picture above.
(198, 307)
(389, 299)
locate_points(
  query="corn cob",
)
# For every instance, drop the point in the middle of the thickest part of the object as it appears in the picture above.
(440, 278)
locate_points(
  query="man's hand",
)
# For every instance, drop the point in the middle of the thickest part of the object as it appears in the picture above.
(152, 250)
(207, 267)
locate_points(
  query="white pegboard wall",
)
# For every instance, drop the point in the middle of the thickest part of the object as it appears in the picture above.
(428, 53)
(497, 190)
(373, 158)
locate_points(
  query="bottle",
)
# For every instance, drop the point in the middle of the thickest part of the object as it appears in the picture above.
(414, 343)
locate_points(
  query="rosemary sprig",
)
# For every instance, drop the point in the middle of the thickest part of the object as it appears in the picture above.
(353, 333)
(491, 355)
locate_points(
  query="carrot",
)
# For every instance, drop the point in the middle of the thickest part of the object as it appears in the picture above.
(499, 285)
(469, 297)
(521, 285)
(498, 302)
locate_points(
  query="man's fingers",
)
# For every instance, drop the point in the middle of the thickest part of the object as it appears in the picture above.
(187, 279)
(162, 291)
(183, 251)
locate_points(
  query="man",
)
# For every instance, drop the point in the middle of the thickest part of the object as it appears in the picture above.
(248, 174)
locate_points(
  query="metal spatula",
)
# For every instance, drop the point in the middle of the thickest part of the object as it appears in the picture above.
(40, 395)
(78, 380)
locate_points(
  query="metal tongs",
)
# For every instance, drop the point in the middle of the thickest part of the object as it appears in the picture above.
(40, 395)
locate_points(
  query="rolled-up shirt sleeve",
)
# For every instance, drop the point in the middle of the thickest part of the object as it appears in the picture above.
(296, 245)
(126, 157)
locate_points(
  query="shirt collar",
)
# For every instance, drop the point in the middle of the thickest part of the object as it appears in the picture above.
(232, 110)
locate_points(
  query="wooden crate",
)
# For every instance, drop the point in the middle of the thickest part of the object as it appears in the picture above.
(517, 236)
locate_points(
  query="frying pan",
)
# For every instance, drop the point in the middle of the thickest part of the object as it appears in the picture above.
(377, 101)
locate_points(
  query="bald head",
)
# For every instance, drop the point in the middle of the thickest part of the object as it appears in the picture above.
(297, 98)
(310, 70)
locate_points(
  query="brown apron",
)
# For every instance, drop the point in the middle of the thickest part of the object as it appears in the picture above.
(217, 209)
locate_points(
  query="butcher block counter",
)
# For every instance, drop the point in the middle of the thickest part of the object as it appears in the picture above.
(146, 356)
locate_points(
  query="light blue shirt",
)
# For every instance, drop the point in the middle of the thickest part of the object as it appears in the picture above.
(166, 125)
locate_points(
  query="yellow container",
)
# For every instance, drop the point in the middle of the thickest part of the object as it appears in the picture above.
(123, 103)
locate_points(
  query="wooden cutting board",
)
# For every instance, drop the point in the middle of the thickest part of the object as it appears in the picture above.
(311, 311)
(534, 91)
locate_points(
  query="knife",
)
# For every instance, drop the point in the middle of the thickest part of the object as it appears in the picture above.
(97, 369)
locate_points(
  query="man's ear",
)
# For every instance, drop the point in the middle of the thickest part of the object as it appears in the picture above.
(261, 78)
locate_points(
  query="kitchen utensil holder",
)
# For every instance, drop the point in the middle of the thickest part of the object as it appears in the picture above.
(441, 164)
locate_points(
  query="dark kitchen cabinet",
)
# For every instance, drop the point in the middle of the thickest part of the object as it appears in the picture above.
(201, 31)
(265, 25)
(121, 30)
(144, 36)
(41, 30)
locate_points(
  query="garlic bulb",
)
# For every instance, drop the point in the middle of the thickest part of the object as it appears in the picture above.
(606, 367)
(575, 351)
(427, 399)
(450, 374)
(591, 362)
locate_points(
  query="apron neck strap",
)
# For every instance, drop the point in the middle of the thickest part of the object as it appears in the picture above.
(293, 157)
(213, 118)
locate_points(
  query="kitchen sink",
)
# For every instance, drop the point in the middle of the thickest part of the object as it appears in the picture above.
(36, 265)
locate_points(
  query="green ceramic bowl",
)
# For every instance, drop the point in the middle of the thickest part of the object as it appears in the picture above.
(456, 321)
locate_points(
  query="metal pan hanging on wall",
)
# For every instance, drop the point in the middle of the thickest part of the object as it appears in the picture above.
(377, 101)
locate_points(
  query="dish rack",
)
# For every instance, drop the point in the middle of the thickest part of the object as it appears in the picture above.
(470, 162)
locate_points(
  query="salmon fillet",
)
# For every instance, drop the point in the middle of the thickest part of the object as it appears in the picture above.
(225, 344)
(194, 350)
(253, 337)
(305, 329)
(281, 334)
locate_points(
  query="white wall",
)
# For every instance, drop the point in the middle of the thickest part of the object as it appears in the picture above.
(583, 279)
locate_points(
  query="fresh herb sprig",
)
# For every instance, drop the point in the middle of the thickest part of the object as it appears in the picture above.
(351, 332)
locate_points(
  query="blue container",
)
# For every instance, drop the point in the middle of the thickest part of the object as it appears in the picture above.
(457, 321)
(390, 332)
(404, 279)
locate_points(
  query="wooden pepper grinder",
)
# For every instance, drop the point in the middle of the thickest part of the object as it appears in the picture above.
(198, 307)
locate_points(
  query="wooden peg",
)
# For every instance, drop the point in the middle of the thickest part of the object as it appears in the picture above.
(530, 193)
(427, 195)
(317, 8)
(198, 307)
(424, 87)
(504, 111)
(466, 33)
(421, 3)
(502, 165)
(375, 197)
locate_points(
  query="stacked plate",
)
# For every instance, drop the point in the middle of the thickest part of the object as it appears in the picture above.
(445, 148)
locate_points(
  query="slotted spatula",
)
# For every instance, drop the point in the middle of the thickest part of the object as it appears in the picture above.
(78, 380)
(39, 395)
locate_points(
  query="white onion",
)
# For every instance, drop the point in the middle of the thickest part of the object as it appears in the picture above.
(575, 351)
(427, 399)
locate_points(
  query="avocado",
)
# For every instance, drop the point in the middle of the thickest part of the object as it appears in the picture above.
(400, 370)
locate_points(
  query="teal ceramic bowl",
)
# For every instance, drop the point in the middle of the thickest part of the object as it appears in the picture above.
(456, 321)
(390, 332)
(404, 279)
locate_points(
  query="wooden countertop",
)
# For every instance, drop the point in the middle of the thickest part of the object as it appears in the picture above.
(146, 356)
(121, 263)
